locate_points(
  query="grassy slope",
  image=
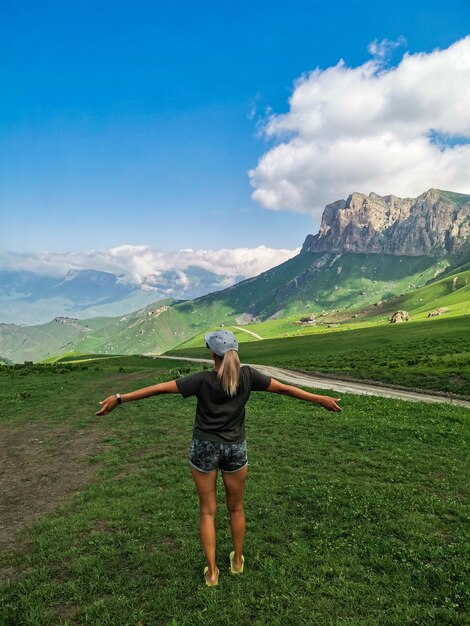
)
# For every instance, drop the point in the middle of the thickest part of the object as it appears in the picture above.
(452, 292)
(47, 340)
(356, 280)
(258, 294)
(418, 301)
(356, 517)
(351, 279)
(363, 279)
(34, 342)
(433, 354)
(393, 279)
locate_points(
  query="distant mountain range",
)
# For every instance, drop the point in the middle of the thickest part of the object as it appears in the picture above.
(369, 250)
(29, 298)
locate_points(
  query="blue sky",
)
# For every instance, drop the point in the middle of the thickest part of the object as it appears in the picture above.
(136, 123)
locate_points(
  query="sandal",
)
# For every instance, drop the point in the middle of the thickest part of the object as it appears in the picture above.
(209, 584)
(236, 571)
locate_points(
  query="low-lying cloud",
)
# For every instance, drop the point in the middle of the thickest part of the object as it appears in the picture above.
(398, 130)
(134, 263)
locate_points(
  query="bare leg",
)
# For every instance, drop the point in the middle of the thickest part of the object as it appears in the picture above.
(234, 486)
(206, 488)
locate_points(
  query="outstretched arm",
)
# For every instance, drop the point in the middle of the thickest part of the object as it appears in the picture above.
(111, 402)
(289, 390)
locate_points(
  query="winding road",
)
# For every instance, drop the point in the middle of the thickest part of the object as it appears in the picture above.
(250, 332)
(341, 386)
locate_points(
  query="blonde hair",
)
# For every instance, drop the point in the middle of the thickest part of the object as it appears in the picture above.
(229, 372)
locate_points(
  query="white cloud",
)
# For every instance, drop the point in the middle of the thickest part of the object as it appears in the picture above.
(370, 129)
(133, 263)
(383, 49)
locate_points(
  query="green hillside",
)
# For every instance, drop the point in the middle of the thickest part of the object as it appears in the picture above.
(308, 283)
(331, 286)
(432, 354)
(136, 332)
(452, 292)
(31, 343)
(324, 281)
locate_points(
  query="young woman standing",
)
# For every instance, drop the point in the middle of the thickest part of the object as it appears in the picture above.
(219, 441)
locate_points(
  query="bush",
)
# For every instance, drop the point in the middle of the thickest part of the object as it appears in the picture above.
(177, 373)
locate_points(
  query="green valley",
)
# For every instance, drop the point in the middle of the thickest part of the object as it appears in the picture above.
(331, 285)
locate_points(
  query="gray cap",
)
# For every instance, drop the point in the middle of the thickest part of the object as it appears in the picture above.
(219, 341)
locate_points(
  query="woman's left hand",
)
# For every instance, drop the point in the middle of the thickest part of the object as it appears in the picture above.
(107, 405)
(330, 403)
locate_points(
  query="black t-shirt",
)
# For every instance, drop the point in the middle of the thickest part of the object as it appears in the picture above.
(220, 417)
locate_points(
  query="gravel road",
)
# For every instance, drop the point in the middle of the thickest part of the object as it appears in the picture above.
(341, 386)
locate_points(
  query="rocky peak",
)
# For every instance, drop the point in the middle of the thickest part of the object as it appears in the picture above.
(435, 223)
(70, 321)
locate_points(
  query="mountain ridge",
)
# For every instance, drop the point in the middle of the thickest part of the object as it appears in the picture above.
(314, 282)
(435, 223)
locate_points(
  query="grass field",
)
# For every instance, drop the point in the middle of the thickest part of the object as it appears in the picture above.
(432, 355)
(358, 518)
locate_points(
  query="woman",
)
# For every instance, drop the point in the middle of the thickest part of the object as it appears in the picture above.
(219, 435)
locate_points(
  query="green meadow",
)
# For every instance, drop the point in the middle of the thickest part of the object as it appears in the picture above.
(432, 354)
(358, 517)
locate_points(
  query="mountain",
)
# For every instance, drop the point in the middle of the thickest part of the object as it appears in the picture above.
(435, 223)
(22, 284)
(29, 298)
(84, 287)
(368, 249)
(26, 297)
(315, 282)
(128, 334)
(343, 267)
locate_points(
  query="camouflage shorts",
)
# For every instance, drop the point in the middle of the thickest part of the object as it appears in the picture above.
(206, 456)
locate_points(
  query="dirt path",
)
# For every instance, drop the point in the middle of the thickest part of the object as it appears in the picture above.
(41, 466)
(341, 386)
(250, 332)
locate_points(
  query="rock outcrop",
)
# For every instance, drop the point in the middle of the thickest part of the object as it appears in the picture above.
(399, 316)
(439, 311)
(70, 321)
(433, 224)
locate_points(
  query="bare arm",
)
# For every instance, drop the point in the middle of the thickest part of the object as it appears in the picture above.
(289, 390)
(111, 402)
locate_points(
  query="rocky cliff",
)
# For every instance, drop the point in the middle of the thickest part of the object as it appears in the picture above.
(433, 224)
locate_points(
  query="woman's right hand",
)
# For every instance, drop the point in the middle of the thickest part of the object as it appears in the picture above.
(107, 405)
